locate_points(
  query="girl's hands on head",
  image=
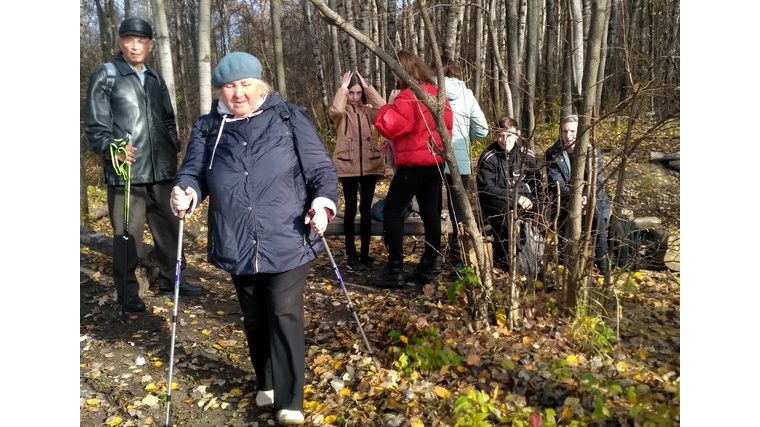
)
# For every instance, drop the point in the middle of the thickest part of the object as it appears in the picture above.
(346, 78)
(362, 82)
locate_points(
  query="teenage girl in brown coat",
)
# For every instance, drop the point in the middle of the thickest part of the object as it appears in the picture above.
(357, 158)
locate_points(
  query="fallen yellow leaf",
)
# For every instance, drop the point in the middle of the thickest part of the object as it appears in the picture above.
(220, 312)
(236, 392)
(206, 332)
(158, 363)
(441, 392)
(150, 387)
(567, 413)
(114, 422)
(330, 419)
(416, 423)
(345, 391)
(203, 280)
(93, 402)
(571, 358)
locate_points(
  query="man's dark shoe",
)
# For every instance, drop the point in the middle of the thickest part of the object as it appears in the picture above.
(391, 277)
(133, 304)
(185, 290)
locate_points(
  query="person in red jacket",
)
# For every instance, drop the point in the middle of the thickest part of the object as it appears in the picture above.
(416, 146)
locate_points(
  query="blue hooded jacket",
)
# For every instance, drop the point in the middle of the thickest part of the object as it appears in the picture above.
(260, 182)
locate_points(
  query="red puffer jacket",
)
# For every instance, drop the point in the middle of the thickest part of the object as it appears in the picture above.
(409, 124)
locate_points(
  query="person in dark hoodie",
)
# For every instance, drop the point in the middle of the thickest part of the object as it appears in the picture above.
(272, 188)
(508, 178)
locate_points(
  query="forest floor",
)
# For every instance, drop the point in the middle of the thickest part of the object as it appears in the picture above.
(617, 367)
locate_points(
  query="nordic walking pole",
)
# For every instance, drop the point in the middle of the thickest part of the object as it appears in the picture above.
(345, 291)
(123, 169)
(175, 310)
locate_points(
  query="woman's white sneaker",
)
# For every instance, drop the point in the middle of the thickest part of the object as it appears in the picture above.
(265, 398)
(289, 417)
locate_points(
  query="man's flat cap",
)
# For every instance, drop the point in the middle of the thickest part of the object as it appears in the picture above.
(135, 26)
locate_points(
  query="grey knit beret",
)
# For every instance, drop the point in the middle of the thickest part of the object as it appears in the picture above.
(236, 66)
(135, 26)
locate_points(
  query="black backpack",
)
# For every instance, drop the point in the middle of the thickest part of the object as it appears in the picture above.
(625, 240)
(530, 249)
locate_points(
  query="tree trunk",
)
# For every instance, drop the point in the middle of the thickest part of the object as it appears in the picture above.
(528, 120)
(598, 18)
(185, 115)
(306, 7)
(477, 74)
(279, 61)
(492, 28)
(204, 56)
(163, 46)
(513, 57)
(453, 20)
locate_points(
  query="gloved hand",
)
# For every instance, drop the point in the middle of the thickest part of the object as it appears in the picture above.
(317, 219)
(183, 201)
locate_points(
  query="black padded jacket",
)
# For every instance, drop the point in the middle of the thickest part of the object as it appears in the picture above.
(143, 112)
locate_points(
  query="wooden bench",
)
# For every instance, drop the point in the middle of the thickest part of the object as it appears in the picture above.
(412, 226)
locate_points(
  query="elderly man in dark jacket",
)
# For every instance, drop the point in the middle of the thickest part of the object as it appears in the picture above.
(131, 103)
(558, 169)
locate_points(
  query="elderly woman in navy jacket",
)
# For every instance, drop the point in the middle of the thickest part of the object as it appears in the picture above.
(262, 182)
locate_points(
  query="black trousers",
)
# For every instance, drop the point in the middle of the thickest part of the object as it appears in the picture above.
(351, 187)
(598, 227)
(456, 211)
(424, 183)
(273, 319)
(495, 211)
(147, 202)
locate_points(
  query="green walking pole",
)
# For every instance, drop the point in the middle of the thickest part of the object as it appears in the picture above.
(123, 169)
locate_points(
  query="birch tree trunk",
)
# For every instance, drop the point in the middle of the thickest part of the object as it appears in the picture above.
(453, 22)
(528, 120)
(366, 29)
(163, 46)
(204, 56)
(335, 51)
(503, 73)
(316, 57)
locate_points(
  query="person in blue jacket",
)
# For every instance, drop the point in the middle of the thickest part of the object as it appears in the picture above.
(469, 123)
(272, 188)
(558, 169)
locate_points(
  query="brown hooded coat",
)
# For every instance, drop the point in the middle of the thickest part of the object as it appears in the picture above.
(357, 148)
